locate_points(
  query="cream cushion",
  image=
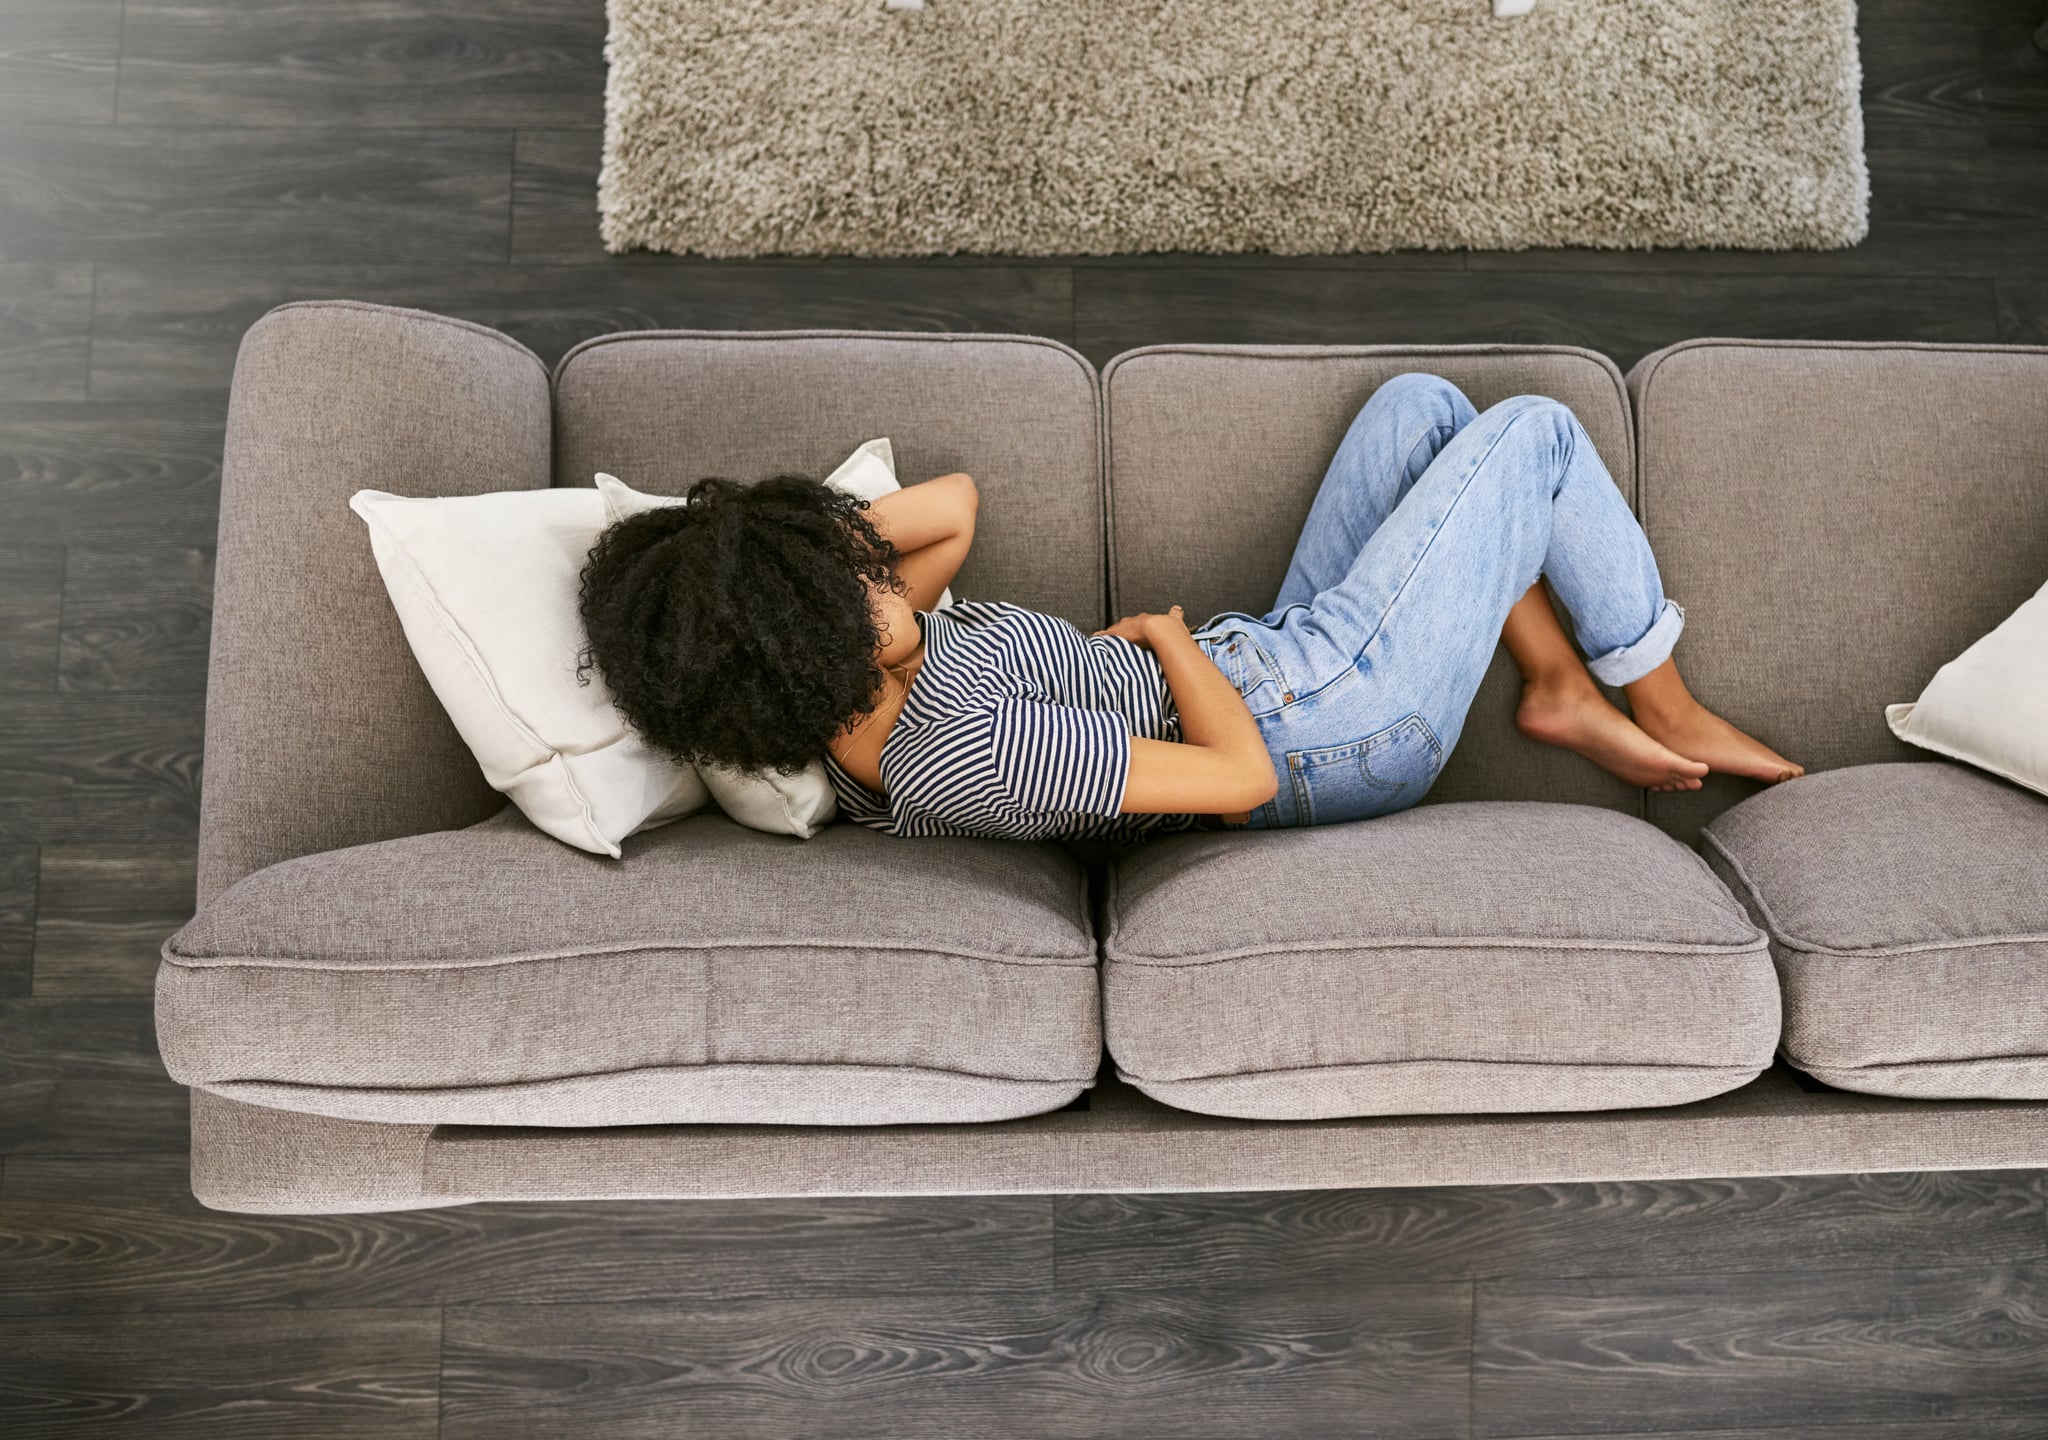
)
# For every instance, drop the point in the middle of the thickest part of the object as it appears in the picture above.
(485, 587)
(1988, 707)
(802, 803)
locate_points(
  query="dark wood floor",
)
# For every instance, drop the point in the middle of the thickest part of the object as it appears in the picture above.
(171, 168)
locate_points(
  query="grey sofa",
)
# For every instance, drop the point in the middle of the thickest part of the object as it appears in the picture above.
(397, 993)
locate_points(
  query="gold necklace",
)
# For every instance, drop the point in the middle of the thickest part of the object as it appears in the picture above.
(887, 670)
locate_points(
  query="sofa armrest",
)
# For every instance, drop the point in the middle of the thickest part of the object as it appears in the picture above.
(321, 731)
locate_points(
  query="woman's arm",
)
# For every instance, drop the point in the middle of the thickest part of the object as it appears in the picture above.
(1220, 766)
(933, 525)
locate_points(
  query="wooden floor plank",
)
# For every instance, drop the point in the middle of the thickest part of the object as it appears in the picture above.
(1625, 315)
(554, 196)
(1959, 211)
(91, 768)
(1791, 1348)
(45, 327)
(169, 331)
(1619, 1229)
(496, 63)
(1310, 1365)
(57, 60)
(1986, 12)
(2014, 89)
(17, 919)
(82, 1077)
(228, 1375)
(1923, 84)
(137, 618)
(257, 196)
(103, 911)
(1988, 200)
(120, 1234)
(31, 615)
(111, 474)
(1905, 246)
(2023, 312)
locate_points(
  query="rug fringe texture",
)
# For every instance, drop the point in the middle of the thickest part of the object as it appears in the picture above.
(1294, 127)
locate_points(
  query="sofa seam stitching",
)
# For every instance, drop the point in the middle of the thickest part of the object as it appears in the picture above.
(621, 337)
(1734, 907)
(1771, 926)
(1879, 1066)
(1912, 947)
(186, 960)
(1335, 352)
(211, 1086)
(372, 308)
(1703, 342)
(1533, 943)
(1292, 1070)
(1111, 572)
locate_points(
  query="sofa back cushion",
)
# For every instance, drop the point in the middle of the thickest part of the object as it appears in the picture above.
(1215, 455)
(659, 409)
(1839, 521)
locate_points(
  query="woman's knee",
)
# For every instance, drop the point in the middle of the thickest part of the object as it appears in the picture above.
(1530, 439)
(1533, 422)
(1538, 407)
(1430, 397)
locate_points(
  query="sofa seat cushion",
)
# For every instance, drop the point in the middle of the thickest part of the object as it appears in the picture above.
(493, 975)
(1907, 907)
(1466, 957)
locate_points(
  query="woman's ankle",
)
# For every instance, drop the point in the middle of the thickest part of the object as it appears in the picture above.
(1661, 694)
(1559, 681)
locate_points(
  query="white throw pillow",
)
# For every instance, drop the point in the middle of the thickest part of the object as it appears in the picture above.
(486, 589)
(1989, 705)
(803, 803)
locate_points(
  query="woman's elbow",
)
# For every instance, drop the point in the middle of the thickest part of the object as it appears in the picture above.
(969, 492)
(1266, 786)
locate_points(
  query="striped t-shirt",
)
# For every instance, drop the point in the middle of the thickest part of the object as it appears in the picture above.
(1019, 726)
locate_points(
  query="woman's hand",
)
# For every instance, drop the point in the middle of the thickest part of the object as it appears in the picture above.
(1139, 628)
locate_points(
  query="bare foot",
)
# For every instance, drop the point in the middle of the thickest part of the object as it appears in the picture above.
(1572, 713)
(1693, 730)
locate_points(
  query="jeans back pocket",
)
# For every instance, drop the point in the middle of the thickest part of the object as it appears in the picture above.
(1388, 770)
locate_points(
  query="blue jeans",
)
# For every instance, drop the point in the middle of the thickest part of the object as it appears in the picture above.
(1431, 522)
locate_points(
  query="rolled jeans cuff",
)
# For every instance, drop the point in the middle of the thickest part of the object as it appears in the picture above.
(1632, 662)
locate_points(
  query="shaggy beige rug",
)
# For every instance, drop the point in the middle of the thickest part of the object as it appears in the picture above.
(1057, 127)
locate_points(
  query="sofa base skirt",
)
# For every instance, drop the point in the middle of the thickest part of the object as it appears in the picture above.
(1441, 1087)
(729, 1094)
(254, 1159)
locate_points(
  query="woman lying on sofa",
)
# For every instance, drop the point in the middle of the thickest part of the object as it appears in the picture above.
(764, 625)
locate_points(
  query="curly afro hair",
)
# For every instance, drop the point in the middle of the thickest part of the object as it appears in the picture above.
(735, 629)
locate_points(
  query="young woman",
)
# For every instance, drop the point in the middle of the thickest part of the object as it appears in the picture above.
(768, 625)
